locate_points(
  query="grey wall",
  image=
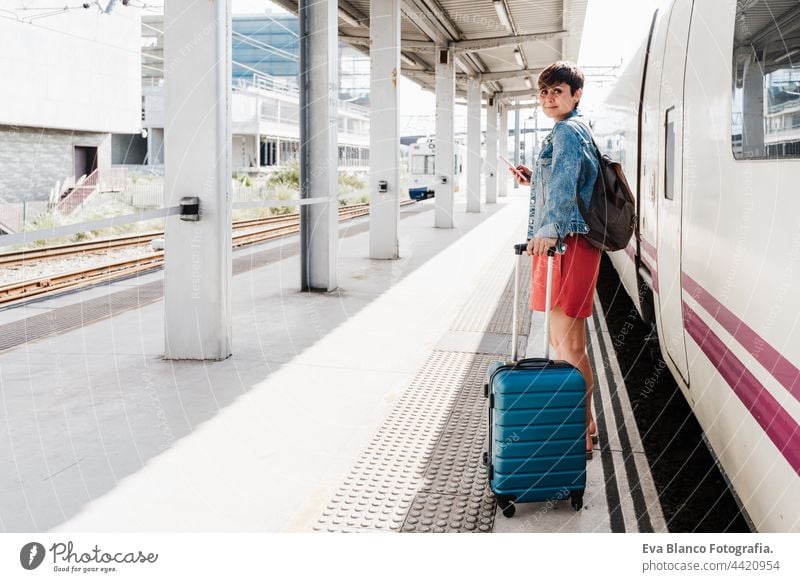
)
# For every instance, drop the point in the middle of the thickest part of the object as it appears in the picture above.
(33, 159)
(128, 148)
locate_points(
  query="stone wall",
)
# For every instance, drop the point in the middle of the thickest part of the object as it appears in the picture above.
(33, 159)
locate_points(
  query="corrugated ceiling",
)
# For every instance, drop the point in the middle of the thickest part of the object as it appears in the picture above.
(466, 20)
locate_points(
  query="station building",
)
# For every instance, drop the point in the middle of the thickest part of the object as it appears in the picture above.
(65, 99)
(265, 97)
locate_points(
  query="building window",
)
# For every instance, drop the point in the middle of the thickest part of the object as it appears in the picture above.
(765, 119)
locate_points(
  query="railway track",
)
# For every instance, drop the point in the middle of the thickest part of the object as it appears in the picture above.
(255, 231)
(60, 251)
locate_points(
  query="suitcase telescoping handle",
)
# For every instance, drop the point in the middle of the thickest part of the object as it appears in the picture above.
(519, 250)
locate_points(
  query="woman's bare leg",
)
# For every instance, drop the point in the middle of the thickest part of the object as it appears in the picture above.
(569, 335)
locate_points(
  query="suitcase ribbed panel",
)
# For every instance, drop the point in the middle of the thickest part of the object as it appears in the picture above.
(535, 432)
(519, 452)
(550, 480)
(554, 415)
(538, 430)
(539, 464)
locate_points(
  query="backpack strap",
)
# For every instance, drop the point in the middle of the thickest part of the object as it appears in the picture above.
(588, 129)
(600, 172)
(598, 155)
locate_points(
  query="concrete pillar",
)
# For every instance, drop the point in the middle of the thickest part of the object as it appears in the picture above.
(502, 172)
(473, 146)
(197, 162)
(319, 97)
(516, 143)
(491, 151)
(150, 146)
(384, 129)
(445, 146)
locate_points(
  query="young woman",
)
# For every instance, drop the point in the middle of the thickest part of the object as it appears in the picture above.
(566, 167)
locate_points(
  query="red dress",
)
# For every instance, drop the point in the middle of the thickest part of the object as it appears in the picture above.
(574, 278)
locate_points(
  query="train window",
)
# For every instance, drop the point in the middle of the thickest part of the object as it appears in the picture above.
(669, 156)
(417, 164)
(765, 120)
(422, 164)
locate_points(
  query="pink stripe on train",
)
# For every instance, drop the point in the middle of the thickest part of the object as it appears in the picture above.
(777, 423)
(776, 364)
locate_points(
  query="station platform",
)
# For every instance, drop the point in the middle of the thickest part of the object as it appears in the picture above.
(356, 410)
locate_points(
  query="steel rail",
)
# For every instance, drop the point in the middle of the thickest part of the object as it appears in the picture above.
(278, 226)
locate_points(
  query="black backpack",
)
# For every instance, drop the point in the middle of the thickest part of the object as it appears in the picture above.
(611, 215)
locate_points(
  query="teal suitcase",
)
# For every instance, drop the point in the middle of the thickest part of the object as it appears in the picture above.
(536, 433)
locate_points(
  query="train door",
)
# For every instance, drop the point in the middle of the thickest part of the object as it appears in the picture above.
(650, 138)
(670, 191)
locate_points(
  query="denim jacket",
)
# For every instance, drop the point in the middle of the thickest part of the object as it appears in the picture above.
(567, 165)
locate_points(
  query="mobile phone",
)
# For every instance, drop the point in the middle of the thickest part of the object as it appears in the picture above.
(514, 169)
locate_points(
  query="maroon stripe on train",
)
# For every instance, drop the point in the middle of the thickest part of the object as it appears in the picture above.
(630, 250)
(648, 248)
(782, 369)
(778, 424)
(653, 273)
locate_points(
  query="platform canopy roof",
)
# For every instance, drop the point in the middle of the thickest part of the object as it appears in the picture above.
(504, 42)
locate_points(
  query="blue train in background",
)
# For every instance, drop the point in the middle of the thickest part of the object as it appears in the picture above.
(422, 168)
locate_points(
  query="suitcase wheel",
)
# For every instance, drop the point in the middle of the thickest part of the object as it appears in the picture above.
(506, 506)
(485, 458)
(576, 500)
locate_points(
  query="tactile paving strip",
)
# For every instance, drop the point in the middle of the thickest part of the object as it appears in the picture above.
(483, 313)
(379, 490)
(412, 481)
(454, 495)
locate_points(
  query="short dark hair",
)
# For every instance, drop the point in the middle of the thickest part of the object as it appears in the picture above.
(562, 72)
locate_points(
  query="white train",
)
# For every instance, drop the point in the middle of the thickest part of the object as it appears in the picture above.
(706, 120)
(422, 168)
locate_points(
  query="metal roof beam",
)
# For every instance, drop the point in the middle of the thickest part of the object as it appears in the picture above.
(423, 20)
(519, 105)
(441, 15)
(288, 5)
(502, 75)
(515, 94)
(352, 15)
(437, 25)
(498, 41)
(413, 46)
(417, 74)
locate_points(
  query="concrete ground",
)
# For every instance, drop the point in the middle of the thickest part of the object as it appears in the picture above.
(98, 433)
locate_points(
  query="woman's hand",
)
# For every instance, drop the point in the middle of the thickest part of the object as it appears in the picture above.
(525, 171)
(539, 246)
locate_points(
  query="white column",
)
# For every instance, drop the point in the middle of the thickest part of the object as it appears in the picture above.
(384, 129)
(445, 148)
(491, 151)
(516, 143)
(503, 175)
(197, 162)
(258, 132)
(319, 95)
(473, 146)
